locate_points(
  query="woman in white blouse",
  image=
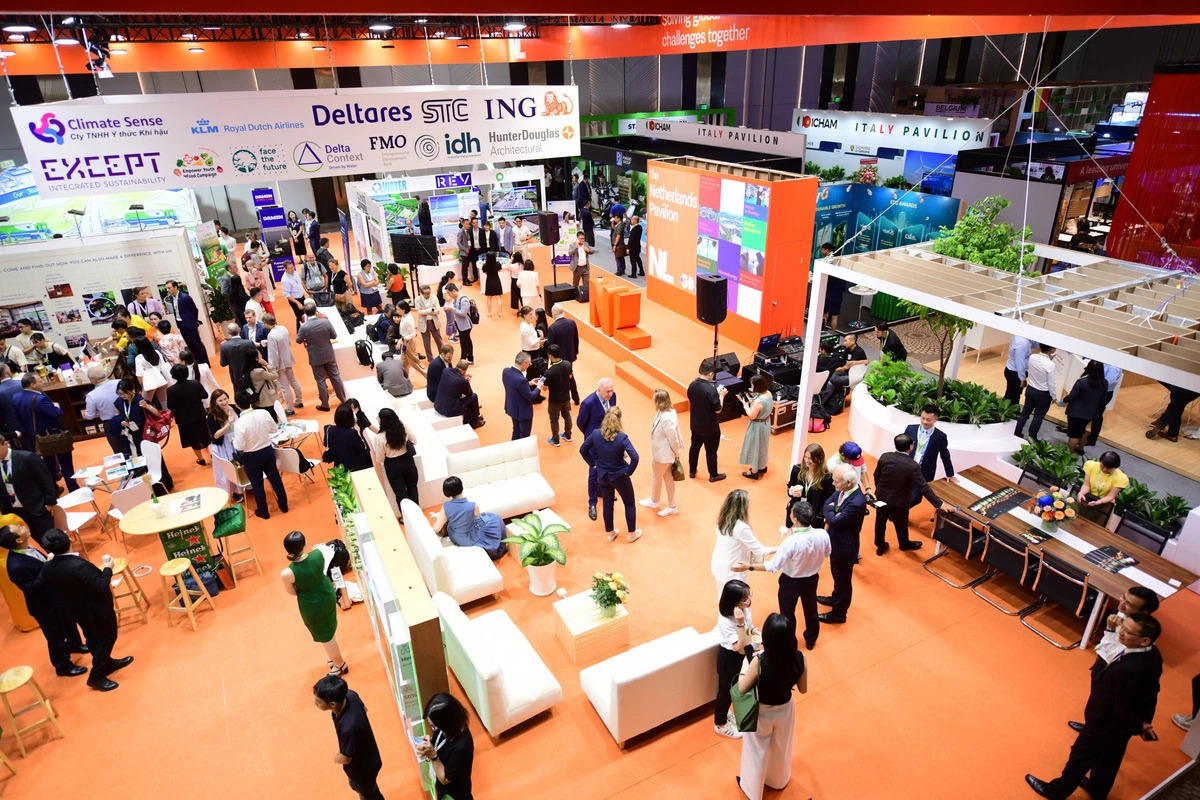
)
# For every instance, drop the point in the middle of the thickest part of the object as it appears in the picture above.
(734, 629)
(666, 445)
(531, 338)
(199, 372)
(735, 541)
(530, 286)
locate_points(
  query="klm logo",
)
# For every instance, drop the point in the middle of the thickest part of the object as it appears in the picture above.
(463, 145)
(202, 126)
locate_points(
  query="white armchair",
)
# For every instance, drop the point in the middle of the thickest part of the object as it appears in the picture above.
(504, 478)
(499, 670)
(464, 573)
(653, 683)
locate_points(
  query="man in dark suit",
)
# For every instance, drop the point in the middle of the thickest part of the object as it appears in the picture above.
(706, 399)
(188, 317)
(255, 332)
(26, 488)
(35, 415)
(433, 374)
(491, 239)
(565, 333)
(519, 394)
(558, 379)
(234, 291)
(897, 480)
(238, 354)
(635, 248)
(455, 397)
(591, 414)
(930, 444)
(25, 571)
(8, 388)
(845, 511)
(85, 590)
(424, 217)
(312, 229)
(1120, 706)
(588, 224)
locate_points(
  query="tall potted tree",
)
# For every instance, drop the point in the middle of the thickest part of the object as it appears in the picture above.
(980, 239)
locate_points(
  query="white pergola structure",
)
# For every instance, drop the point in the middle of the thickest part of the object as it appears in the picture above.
(1142, 319)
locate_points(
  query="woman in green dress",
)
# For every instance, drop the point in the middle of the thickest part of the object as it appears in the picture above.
(305, 578)
(758, 429)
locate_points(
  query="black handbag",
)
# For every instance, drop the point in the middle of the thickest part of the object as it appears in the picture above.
(51, 444)
(323, 298)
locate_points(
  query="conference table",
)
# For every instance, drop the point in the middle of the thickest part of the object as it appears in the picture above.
(1069, 543)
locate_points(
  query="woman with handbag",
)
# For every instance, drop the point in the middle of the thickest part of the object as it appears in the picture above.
(133, 411)
(767, 750)
(305, 579)
(666, 445)
(734, 629)
(221, 415)
(151, 369)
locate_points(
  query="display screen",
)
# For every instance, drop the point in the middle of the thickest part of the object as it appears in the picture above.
(878, 218)
(514, 200)
(731, 239)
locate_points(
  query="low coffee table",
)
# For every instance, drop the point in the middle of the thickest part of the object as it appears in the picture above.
(548, 517)
(587, 635)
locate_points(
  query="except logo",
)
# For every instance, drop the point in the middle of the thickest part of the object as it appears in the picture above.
(427, 147)
(202, 126)
(450, 110)
(51, 131)
(306, 157)
(245, 161)
(568, 132)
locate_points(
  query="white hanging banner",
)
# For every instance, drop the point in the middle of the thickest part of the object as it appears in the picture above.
(776, 143)
(115, 143)
(865, 133)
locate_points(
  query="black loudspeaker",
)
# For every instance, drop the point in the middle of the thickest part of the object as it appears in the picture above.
(711, 297)
(548, 226)
(728, 362)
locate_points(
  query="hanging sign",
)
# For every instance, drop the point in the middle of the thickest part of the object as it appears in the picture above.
(114, 143)
(779, 143)
(864, 133)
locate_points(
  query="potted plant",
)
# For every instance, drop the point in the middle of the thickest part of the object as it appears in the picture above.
(609, 590)
(539, 551)
(1054, 505)
(978, 238)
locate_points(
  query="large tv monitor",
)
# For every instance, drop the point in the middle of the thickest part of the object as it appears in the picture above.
(414, 249)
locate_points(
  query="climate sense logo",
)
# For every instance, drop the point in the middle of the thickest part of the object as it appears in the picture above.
(51, 131)
(453, 110)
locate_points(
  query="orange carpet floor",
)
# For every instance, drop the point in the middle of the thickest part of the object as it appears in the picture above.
(926, 692)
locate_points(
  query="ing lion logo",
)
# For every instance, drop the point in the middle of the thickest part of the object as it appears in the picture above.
(556, 107)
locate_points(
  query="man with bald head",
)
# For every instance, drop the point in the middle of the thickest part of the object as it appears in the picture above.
(591, 413)
(845, 511)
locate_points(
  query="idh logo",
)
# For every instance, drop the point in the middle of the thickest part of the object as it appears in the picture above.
(50, 131)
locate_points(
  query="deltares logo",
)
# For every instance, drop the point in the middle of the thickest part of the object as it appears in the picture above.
(355, 114)
(50, 131)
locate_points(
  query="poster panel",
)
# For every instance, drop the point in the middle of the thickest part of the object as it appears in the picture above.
(877, 218)
(568, 227)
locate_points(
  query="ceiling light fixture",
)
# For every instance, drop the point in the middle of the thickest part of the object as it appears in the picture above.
(195, 49)
(212, 27)
(6, 54)
(304, 34)
(117, 51)
(418, 20)
(515, 26)
(462, 46)
(452, 37)
(16, 37)
(620, 26)
(65, 40)
(117, 37)
(438, 34)
(187, 35)
(68, 21)
(19, 29)
(319, 47)
(380, 27)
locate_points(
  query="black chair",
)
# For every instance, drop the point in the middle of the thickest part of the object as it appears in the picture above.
(958, 533)
(1034, 479)
(1060, 583)
(1007, 555)
(1143, 532)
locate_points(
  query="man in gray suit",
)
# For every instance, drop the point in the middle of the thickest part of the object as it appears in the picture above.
(279, 356)
(464, 249)
(428, 318)
(581, 260)
(318, 335)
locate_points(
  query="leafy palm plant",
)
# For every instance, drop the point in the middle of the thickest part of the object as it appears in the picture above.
(539, 544)
(1133, 497)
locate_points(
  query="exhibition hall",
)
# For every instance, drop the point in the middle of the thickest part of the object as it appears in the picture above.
(385, 392)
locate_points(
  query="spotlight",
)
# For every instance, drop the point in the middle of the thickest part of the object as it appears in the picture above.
(68, 21)
(380, 27)
(452, 37)
(211, 27)
(117, 51)
(16, 37)
(117, 37)
(439, 34)
(19, 29)
(620, 26)
(304, 34)
(515, 26)
(319, 47)
(418, 20)
(462, 46)
(6, 54)
(187, 35)
(195, 49)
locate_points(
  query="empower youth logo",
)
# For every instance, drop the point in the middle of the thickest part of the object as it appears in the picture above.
(51, 131)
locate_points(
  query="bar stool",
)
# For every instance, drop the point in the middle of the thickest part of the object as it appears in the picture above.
(14, 679)
(177, 569)
(4, 759)
(129, 587)
(229, 522)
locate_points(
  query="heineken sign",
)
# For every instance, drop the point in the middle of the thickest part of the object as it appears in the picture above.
(189, 542)
(866, 133)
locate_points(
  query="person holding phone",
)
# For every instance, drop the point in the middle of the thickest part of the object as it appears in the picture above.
(519, 394)
(450, 749)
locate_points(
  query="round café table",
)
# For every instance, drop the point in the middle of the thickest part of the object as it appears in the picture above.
(182, 534)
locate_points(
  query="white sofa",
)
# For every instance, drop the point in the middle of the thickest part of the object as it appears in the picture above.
(464, 573)
(504, 478)
(653, 683)
(503, 677)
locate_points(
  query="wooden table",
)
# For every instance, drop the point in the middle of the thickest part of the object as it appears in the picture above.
(587, 635)
(182, 534)
(1166, 577)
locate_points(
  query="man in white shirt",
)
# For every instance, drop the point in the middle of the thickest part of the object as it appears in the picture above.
(1039, 390)
(12, 353)
(581, 257)
(228, 243)
(798, 560)
(24, 339)
(520, 237)
(101, 404)
(1135, 599)
(293, 291)
(279, 356)
(252, 438)
(1016, 367)
(428, 319)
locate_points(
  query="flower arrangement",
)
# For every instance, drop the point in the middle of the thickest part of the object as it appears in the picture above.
(868, 175)
(609, 589)
(1054, 506)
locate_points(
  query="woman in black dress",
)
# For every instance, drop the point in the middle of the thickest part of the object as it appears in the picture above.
(810, 481)
(492, 289)
(296, 231)
(396, 449)
(449, 747)
(186, 402)
(344, 445)
(515, 266)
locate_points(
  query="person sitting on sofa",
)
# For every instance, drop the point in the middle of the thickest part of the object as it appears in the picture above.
(465, 524)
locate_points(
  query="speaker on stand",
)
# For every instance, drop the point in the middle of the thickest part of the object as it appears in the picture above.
(548, 232)
(712, 296)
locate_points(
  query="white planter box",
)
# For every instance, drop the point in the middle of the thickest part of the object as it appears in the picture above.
(873, 426)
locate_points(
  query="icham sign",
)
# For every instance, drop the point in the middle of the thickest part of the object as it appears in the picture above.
(119, 142)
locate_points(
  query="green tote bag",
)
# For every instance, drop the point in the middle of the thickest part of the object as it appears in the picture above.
(745, 707)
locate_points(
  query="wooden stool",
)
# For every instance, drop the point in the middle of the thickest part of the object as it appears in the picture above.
(4, 760)
(14, 679)
(177, 568)
(129, 588)
(228, 523)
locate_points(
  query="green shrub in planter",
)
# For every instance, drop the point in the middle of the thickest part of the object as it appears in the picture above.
(895, 383)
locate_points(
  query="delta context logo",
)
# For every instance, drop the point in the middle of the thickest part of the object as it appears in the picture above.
(51, 131)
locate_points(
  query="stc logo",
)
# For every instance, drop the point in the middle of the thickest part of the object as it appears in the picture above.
(433, 111)
(202, 127)
(51, 131)
(818, 122)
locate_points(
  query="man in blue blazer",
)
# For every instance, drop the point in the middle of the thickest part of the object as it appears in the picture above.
(591, 414)
(930, 445)
(455, 397)
(37, 414)
(188, 317)
(9, 386)
(519, 394)
(845, 511)
(44, 603)
(254, 331)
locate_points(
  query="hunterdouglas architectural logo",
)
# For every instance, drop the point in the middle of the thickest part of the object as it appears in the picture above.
(50, 131)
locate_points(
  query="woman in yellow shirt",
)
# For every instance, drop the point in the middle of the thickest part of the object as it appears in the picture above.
(1103, 481)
